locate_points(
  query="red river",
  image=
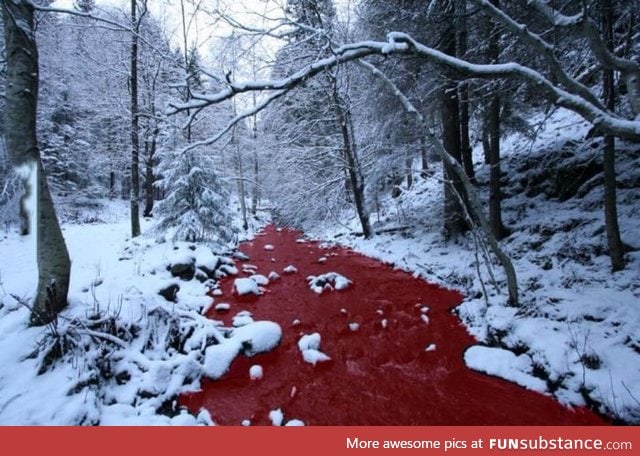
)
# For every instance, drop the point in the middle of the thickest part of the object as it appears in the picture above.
(379, 374)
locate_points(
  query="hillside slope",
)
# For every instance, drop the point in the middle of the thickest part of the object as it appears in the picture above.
(577, 324)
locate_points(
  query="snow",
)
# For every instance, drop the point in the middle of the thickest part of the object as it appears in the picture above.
(309, 341)
(576, 328)
(218, 359)
(258, 337)
(313, 356)
(291, 269)
(120, 367)
(577, 322)
(242, 318)
(245, 286)
(354, 327)
(309, 345)
(273, 275)
(269, 247)
(504, 364)
(256, 372)
(222, 307)
(294, 422)
(260, 279)
(241, 256)
(328, 281)
(276, 416)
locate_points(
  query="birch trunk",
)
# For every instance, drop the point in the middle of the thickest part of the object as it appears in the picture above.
(54, 265)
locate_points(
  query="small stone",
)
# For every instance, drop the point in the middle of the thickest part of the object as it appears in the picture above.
(256, 372)
(184, 271)
(170, 293)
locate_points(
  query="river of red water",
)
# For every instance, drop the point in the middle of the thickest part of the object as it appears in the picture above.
(379, 374)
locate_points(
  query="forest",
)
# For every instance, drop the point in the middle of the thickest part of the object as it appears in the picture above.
(169, 167)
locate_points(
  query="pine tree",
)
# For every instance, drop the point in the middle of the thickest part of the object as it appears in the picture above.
(196, 207)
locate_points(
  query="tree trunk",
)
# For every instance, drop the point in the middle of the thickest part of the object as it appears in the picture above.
(616, 247)
(353, 165)
(409, 172)
(135, 127)
(454, 221)
(149, 178)
(454, 193)
(112, 184)
(255, 192)
(424, 171)
(465, 144)
(25, 219)
(463, 92)
(493, 134)
(54, 265)
(240, 170)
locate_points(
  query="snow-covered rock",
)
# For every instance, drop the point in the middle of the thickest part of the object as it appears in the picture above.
(260, 279)
(242, 319)
(309, 345)
(273, 275)
(291, 269)
(245, 286)
(313, 356)
(295, 422)
(258, 337)
(277, 417)
(309, 341)
(218, 358)
(330, 281)
(256, 372)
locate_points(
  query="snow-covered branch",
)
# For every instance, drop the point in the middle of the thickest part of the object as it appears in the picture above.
(590, 30)
(543, 47)
(402, 44)
(251, 112)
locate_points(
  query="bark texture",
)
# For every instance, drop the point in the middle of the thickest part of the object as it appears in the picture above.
(54, 265)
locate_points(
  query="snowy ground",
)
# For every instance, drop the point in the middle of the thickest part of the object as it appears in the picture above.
(575, 334)
(121, 353)
(128, 351)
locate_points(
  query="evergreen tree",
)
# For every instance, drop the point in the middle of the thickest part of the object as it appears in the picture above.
(196, 207)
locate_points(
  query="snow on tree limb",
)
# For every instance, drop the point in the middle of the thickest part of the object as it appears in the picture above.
(542, 46)
(590, 30)
(401, 43)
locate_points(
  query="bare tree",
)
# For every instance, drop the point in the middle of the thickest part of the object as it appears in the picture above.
(616, 247)
(492, 125)
(136, 20)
